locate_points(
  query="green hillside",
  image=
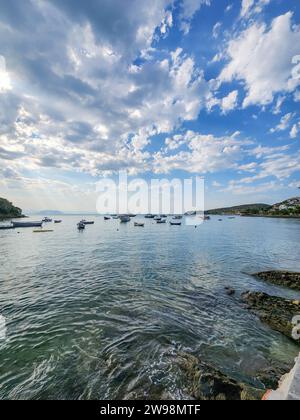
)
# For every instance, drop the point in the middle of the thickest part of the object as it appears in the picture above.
(245, 208)
(8, 210)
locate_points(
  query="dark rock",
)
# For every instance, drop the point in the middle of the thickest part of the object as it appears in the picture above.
(281, 278)
(230, 291)
(204, 382)
(274, 311)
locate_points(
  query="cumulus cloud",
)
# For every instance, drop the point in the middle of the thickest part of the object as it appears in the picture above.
(81, 102)
(203, 154)
(263, 59)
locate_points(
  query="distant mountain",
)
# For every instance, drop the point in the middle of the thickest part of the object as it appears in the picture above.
(241, 209)
(8, 210)
(50, 212)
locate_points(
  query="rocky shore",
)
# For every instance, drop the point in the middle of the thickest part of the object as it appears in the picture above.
(281, 278)
(274, 311)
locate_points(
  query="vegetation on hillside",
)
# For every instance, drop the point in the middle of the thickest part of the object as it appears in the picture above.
(8, 210)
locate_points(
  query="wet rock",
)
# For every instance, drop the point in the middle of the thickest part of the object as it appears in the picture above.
(274, 311)
(281, 278)
(230, 291)
(204, 382)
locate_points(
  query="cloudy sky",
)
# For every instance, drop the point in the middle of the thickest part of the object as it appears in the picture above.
(163, 89)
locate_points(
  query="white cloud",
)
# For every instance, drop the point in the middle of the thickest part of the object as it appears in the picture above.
(295, 131)
(216, 30)
(284, 123)
(250, 7)
(262, 58)
(205, 153)
(5, 81)
(230, 102)
(279, 103)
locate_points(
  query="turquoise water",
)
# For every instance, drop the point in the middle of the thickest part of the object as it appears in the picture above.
(102, 313)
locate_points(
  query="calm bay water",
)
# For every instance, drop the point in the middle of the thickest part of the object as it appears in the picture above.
(101, 314)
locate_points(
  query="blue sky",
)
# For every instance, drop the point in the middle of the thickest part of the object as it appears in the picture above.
(162, 89)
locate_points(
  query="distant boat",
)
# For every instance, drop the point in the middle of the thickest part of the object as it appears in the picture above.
(43, 231)
(132, 215)
(190, 213)
(157, 218)
(116, 217)
(57, 221)
(125, 219)
(27, 224)
(107, 218)
(161, 221)
(175, 223)
(81, 226)
(149, 216)
(85, 222)
(206, 217)
(220, 220)
(164, 216)
(178, 217)
(137, 224)
(47, 220)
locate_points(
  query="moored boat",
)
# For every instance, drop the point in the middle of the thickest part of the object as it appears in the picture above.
(124, 219)
(149, 216)
(6, 227)
(57, 221)
(137, 224)
(107, 217)
(86, 222)
(81, 226)
(47, 220)
(27, 224)
(161, 221)
(175, 223)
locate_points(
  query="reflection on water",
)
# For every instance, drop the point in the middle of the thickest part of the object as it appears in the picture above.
(100, 314)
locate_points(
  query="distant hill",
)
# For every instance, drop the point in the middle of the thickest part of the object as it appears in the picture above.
(50, 212)
(241, 209)
(8, 210)
(287, 208)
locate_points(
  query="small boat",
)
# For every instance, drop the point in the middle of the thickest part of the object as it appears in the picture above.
(220, 220)
(107, 218)
(125, 219)
(206, 217)
(178, 217)
(231, 217)
(164, 216)
(57, 221)
(149, 216)
(137, 224)
(116, 217)
(43, 231)
(161, 221)
(132, 215)
(81, 226)
(157, 218)
(47, 220)
(85, 222)
(175, 223)
(27, 224)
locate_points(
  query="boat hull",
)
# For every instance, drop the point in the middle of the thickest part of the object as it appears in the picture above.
(27, 224)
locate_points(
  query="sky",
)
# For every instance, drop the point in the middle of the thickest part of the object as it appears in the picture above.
(162, 89)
